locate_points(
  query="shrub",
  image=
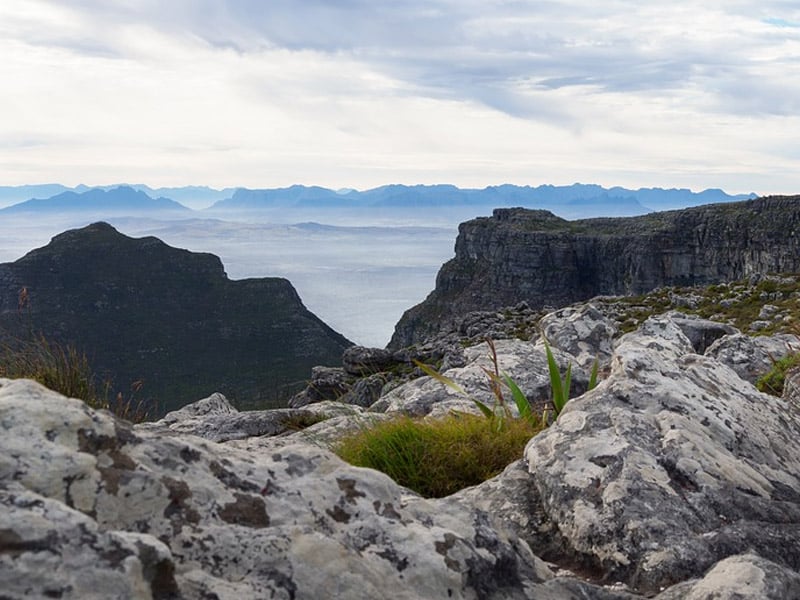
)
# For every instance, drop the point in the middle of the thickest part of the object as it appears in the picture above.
(439, 457)
(772, 381)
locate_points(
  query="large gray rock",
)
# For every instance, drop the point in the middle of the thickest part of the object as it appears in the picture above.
(741, 577)
(672, 464)
(524, 362)
(94, 509)
(582, 331)
(751, 357)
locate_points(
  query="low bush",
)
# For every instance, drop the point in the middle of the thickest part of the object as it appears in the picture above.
(436, 458)
(772, 381)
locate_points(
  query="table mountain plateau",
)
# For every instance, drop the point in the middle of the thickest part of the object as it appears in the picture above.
(142, 310)
(533, 256)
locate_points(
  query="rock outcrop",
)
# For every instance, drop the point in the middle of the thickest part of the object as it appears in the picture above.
(674, 478)
(533, 256)
(142, 310)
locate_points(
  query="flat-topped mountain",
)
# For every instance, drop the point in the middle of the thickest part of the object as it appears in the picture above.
(142, 310)
(533, 256)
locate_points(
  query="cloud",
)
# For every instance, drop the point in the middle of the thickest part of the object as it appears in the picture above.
(488, 51)
(380, 90)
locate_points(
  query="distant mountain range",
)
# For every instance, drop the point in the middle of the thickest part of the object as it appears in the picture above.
(577, 200)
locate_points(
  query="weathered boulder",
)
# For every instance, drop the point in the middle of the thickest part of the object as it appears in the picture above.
(215, 419)
(582, 331)
(740, 577)
(327, 383)
(672, 464)
(791, 389)
(359, 360)
(751, 357)
(524, 362)
(702, 333)
(93, 508)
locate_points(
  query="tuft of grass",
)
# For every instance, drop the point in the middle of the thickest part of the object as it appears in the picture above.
(60, 368)
(436, 458)
(772, 381)
(66, 370)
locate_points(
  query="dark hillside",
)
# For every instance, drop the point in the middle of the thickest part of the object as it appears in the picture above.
(143, 310)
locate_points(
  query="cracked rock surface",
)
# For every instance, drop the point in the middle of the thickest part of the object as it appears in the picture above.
(674, 478)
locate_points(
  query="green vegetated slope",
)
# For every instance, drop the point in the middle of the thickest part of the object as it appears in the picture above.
(144, 311)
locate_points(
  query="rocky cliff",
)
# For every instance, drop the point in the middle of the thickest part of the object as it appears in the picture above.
(144, 311)
(533, 256)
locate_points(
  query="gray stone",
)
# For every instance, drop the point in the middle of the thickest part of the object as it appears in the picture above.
(524, 362)
(327, 383)
(741, 577)
(702, 333)
(86, 500)
(359, 360)
(670, 465)
(791, 389)
(366, 391)
(751, 357)
(768, 311)
(582, 331)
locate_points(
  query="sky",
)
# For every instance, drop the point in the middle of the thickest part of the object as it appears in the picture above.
(361, 93)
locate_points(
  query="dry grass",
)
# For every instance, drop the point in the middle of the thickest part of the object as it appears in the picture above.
(66, 370)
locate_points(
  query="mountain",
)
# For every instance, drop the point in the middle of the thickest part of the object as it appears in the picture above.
(143, 310)
(536, 257)
(20, 193)
(568, 201)
(100, 202)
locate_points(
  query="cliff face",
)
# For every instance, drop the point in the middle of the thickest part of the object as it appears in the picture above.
(142, 310)
(533, 256)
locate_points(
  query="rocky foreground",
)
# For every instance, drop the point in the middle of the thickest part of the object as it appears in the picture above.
(674, 478)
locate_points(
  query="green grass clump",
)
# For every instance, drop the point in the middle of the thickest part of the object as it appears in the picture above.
(439, 457)
(772, 382)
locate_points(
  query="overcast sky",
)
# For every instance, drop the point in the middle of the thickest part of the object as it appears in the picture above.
(360, 93)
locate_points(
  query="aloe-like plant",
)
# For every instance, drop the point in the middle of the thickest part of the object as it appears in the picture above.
(559, 388)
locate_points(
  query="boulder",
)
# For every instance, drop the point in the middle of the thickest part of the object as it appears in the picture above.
(751, 357)
(327, 383)
(359, 360)
(740, 577)
(702, 333)
(524, 362)
(670, 465)
(93, 508)
(582, 331)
